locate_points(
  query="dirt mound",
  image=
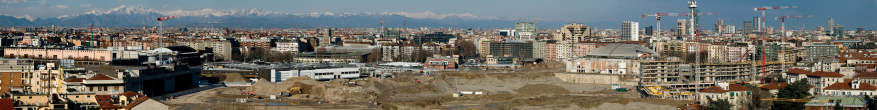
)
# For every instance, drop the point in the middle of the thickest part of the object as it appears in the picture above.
(233, 77)
(461, 75)
(535, 89)
(265, 88)
(336, 91)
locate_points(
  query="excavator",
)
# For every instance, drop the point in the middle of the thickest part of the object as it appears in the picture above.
(291, 91)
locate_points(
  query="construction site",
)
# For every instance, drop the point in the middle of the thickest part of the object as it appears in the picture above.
(537, 86)
(677, 80)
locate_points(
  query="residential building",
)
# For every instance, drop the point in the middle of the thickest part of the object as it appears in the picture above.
(516, 49)
(440, 63)
(821, 52)
(630, 31)
(573, 32)
(736, 94)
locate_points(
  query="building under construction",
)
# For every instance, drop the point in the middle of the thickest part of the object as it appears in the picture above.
(671, 79)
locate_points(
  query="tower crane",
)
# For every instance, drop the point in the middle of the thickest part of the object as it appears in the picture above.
(783, 35)
(160, 25)
(782, 20)
(764, 35)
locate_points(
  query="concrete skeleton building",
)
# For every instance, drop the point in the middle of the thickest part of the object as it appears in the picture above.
(677, 80)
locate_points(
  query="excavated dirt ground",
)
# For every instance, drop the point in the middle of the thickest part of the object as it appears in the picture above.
(533, 87)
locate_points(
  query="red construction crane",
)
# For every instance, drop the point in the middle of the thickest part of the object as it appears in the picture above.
(160, 25)
(782, 19)
(764, 35)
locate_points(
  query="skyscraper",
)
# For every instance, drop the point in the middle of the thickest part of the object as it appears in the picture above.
(830, 26)
(837, 31)
(630, 30)
(720, 26)
(748, 27)
(758, 23)
(649, 30)
(525, 31)
(729, 29)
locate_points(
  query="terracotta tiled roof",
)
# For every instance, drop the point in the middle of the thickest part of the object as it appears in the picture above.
(136, 102)
(798, 71)
(737, 87)
(130, 94)
(847, 86)
(772, 86)
(106, 102)
(713, 89)
(867, 66)
(826, 74)
(866, 75)
(817, 73)
(100, 77)
(74, 79)
(7, 104)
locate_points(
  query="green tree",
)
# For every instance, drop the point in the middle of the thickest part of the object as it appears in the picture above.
(797, 90)
(872, 104)
(837, 106)
(721, 104)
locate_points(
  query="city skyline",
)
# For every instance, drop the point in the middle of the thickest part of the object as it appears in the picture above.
(604, 14)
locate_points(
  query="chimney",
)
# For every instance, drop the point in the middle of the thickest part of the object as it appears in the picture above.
(856, 84)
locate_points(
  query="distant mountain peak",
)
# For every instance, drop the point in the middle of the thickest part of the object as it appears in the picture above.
(123, 9)
(214, 12)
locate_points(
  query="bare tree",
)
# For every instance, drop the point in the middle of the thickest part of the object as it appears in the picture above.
(754, 101)
(376, 55)
(467, 49)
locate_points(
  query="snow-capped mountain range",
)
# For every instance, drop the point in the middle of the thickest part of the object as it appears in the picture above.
(135, 16)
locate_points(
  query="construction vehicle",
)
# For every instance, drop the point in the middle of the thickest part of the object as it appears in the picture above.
(291, 91)
(248, 93)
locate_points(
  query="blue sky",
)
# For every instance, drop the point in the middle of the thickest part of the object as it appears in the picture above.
(850, 13)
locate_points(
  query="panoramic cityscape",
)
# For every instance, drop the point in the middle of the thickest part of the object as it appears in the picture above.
(438, 54)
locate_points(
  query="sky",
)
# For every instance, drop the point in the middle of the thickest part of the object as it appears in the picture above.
(850, 13)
